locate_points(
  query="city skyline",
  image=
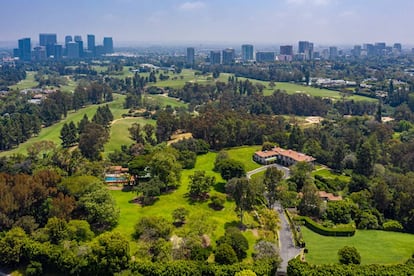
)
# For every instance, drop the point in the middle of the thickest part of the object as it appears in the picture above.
(266, 21)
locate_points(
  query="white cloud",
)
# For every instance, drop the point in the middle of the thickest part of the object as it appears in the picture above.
(191, 6)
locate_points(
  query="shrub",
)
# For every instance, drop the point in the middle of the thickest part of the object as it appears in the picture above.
(234, 238)
(349, 255)
(392, 225)
(217, 201)
(225, 254)
(152, 228)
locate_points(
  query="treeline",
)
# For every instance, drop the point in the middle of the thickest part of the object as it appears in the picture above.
(10, 75)
(16, 128)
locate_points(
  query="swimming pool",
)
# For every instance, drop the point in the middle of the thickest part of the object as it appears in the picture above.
(115, 179)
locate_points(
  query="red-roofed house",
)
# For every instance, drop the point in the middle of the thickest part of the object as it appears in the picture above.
(282, 156)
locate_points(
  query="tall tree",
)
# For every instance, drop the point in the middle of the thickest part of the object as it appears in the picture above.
(200, 185)
(243, 193)
(92, 140)
(271, 180)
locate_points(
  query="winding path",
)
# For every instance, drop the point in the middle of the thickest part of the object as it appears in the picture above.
(288, 250)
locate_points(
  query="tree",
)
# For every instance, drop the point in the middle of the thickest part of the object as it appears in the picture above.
(310, 202)
(300, 174)
(271, 180)
(12, 246)
(110, 254)
(135, 133)
(217, 201)
(164, 165)
(349, 255)
(365, 159)
(200, 185)
(340, 211)
(152, 228)
(230, 168)
(265, 250)
(137, 167)
(236, 240)
(225, 254)
(179, 215)
(243, 193)
(92, 140)
(296, 138)
(57, 230)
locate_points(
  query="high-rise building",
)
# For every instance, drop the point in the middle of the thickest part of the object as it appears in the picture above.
(265, 56)
(305, 49)
(48, 41)
(229, 56)
(73, 49)
(215, 57)
(397, 47)
(369, 49)
(39, 53)
(108, 45)
(25, 49)
(380, 48)
(68, 39)
(190, 56)
(333, 52)
(356, 52)
(58, 51)
(77, 38)
(91, 42)
(286, 50)
(247, 52)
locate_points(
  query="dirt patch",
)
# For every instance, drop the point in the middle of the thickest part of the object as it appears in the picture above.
(314, 119)
(255, 232)
(178, 137)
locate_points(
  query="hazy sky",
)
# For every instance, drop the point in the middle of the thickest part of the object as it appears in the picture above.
(186, 21)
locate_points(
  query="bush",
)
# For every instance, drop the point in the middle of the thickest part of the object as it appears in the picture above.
(336, 232)
(349, 255)
(392, 225)
(234, 238)
(225, 254)
(152, 228)
(217, 201)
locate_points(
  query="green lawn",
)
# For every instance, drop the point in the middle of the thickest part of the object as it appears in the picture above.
(29, 82)
(164, 101)
(52, 133)
(120, 134)
(215, 221)
(375, 247)
(328, 174)
(245, 155)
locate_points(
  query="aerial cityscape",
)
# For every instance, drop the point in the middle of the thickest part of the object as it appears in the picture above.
(206, 137)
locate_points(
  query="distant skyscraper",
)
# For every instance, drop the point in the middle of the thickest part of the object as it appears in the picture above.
(48, 41)
(265, 56)
(247, 52)
(39, 53)
(397, 47)
(306, 49)
(286, 50)
(25, 49)
(73, 49)
(228, 56)
(77, 38)
(108, 45)
(190, 56)
(215, 57)
(333, 52)
(356, 52)
(68, 39)
(91, 43)
(58, 52)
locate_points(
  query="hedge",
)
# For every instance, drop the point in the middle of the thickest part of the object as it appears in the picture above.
(325, 231)
(299, 268)
(298, 237)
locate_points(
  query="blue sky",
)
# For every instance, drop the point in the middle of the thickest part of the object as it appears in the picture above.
(186, 21)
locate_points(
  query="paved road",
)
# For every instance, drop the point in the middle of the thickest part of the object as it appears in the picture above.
(285, 170)
(287, 247)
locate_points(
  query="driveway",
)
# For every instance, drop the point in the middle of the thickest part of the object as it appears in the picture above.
(287, 247)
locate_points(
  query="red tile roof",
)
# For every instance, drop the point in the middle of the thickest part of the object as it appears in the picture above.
(297, 156)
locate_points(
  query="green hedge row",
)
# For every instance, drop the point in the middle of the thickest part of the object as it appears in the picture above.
(325, 231)
(297, 236)
(298, 268)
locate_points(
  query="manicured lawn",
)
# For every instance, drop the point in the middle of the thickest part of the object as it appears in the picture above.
(200, 213)
(164, 101)
(328, 174)
(377, 247)
(29, 82)
(245, 155)
(120, 134)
